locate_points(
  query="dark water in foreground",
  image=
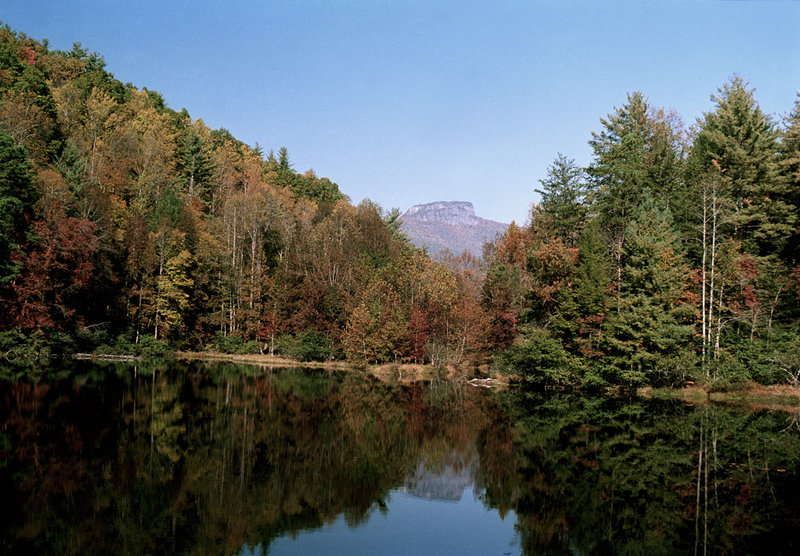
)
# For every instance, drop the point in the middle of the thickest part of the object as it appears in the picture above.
(223, 459)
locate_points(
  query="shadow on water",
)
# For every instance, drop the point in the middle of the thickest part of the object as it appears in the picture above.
(211, 457)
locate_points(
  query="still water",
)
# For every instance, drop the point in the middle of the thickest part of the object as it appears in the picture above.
(226, 459)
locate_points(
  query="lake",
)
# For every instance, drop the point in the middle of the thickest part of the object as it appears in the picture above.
(226, 459)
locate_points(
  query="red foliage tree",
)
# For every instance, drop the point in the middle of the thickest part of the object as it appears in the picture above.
(57, 269)
(418, 334)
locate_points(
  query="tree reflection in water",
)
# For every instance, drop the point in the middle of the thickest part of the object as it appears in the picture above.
(633, 476)
(210, 458)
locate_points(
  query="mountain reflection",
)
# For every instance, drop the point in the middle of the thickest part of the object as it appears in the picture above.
(443, 482)
(211, 458)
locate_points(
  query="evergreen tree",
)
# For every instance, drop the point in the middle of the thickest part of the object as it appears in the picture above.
(592, 277)
(790, 168)
(563, 200)
(72, 167)
(742, 142)
(279, 170)
(194, 163)
(394, 225)
(583, 310)
(648, 330)
(17, 197)
(618, 171)
(639, 148)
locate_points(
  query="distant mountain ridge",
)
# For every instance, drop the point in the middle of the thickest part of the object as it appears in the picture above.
(449, 225)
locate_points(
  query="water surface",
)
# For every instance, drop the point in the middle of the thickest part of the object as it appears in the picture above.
(227, 459)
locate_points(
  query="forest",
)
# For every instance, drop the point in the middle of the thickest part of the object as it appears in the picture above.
(129, 227)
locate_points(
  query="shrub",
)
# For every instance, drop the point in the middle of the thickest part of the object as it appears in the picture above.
(88, 339)
(16, 345)
(233, 343)
(311, 345)
(151, 347)
(120, 346)
(286, 344)
(674, 370)
(541, 361)
(251, 347)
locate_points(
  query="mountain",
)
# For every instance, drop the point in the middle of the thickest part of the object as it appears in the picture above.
(449, 225)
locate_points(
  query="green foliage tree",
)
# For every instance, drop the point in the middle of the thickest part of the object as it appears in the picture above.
(394, 225)
(503, 300)
(638, 148)
(195, 164)
(563, 202)
(17, 198)
(319, 190)
(650, 327)
(742, 142)
(790, 169)
(313, 345)
(584, 305)
(171, 296)
(185, 230)
(541, 361)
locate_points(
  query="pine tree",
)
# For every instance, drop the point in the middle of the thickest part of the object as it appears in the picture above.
(17, 197)
(790, 168)
(194, 162)
(742, 142)
(563, 200)
(618, 172)
(639, 148)
(648, 327)
(583, 309)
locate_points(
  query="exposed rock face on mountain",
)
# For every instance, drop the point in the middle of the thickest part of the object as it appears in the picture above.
(449, 225)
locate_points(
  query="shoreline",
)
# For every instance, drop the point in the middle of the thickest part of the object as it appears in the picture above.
(780, 397)
(399, 372)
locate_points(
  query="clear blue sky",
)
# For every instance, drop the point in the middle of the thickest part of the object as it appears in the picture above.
(415, 101)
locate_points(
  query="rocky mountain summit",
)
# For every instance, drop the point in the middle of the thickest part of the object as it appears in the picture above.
(449, 225)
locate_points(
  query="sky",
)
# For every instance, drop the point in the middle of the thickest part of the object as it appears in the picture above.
(416, 101)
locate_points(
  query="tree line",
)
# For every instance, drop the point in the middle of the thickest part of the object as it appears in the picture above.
(672, 257)
(130, 227)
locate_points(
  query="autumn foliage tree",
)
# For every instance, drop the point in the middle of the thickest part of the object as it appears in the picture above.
(56, 272)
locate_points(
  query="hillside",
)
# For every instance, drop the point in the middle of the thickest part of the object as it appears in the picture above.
(131, 228)
(449, 225)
